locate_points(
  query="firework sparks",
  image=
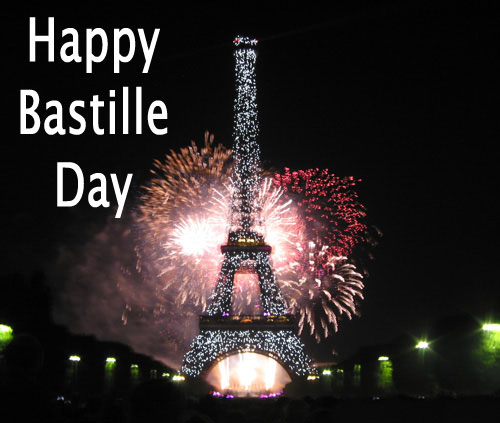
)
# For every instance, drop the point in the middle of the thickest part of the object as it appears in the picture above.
(320, 284)
(330, 205)
(312, 219)
(183, 220)
(194, 236)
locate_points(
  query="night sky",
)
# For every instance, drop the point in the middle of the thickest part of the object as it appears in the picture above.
(405, 97)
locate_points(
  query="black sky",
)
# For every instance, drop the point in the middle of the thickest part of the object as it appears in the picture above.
(405, 97)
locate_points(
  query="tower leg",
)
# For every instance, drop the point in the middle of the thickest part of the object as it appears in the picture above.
(222, 297)
(270, 294)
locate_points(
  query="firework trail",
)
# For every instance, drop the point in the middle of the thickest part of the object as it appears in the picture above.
(312, 219)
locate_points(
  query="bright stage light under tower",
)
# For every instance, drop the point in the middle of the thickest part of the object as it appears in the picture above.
(248, 374)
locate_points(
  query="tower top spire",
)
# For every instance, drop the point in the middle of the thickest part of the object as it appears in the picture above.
(246, 150)
(244, 41)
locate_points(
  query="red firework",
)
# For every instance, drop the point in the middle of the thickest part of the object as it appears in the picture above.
(330, 207)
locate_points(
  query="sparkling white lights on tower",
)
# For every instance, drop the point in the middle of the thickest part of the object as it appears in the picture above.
(246, 150)
(213, 344)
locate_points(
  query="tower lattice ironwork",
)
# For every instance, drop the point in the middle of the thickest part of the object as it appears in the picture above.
(272, 332)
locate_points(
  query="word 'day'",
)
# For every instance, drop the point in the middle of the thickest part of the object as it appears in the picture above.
(97, 196)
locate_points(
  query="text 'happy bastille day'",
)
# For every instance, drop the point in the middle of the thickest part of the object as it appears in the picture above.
(55, 120)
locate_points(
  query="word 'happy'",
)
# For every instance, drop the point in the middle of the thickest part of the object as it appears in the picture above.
(71, 45)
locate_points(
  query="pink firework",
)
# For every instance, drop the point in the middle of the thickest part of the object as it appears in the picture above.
(330, 206)
(312, 220)
(183, 221)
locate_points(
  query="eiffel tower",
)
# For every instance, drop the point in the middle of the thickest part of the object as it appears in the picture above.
(274, 332)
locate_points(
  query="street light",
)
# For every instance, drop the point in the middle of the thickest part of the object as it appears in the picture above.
(5, 329)
(5, 334)
(422, 345)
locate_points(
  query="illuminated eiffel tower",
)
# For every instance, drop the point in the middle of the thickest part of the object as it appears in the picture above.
(273, 333)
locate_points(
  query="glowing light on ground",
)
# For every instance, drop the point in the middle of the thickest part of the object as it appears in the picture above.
(4, 329)
(6, 335)
(422, 345)
(384, 375)
(248, 374)
(491, 327)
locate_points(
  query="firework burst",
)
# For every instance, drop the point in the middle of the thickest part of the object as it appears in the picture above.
(312, 219)
(183, 220)
(320, 283)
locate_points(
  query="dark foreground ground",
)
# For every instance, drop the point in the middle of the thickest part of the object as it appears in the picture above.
(25, 396)
(158, 401)
(328, 409)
